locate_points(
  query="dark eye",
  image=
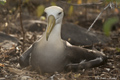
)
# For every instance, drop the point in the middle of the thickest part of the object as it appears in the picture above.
(59, 13)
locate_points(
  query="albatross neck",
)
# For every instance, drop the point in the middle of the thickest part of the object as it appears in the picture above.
(55, 34)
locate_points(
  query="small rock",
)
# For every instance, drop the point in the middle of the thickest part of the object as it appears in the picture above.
(25, 78)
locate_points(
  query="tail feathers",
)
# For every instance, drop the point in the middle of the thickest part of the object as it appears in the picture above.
(25, 57)
(92, 63)
(24, 62)
(88, 64)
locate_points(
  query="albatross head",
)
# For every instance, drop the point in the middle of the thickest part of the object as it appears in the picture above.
(54, 16)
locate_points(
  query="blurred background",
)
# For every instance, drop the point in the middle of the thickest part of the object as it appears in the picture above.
(80, 12)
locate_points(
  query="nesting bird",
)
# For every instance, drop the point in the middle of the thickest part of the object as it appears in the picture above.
(51, 53)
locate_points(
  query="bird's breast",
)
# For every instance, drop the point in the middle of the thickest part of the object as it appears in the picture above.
(49, 57)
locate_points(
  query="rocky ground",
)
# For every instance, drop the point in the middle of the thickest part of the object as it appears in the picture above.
(11, 47)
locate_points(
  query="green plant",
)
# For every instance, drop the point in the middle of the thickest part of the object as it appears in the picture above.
(108, 25)
(40, 10)
(118, 49)
(2, 2)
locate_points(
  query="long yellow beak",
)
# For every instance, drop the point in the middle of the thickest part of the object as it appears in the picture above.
(51, 24)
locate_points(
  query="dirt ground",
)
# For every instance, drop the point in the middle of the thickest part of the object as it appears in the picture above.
(10, 24)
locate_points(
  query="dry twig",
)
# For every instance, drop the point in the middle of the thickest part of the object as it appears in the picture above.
(23, 32)
(98, 17)
(109, 5)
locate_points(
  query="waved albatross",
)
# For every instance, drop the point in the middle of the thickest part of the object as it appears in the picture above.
(51, 53)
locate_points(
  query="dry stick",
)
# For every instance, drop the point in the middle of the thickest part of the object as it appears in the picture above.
(89, 4)
(23, 32)
(98, 16)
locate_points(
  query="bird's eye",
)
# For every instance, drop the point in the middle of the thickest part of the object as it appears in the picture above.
(59, 13)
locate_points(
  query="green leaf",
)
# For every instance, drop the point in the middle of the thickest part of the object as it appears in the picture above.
(108, 25)
(53, 3)
(69, 1)
(70, 11)
(118, 49)
(26, 1)
(40, 10)
(2, 2)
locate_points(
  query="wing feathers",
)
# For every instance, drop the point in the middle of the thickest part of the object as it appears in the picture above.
(91, 58)
(24, 58)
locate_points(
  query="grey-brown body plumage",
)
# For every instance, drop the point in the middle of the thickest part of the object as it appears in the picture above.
(51, 53)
